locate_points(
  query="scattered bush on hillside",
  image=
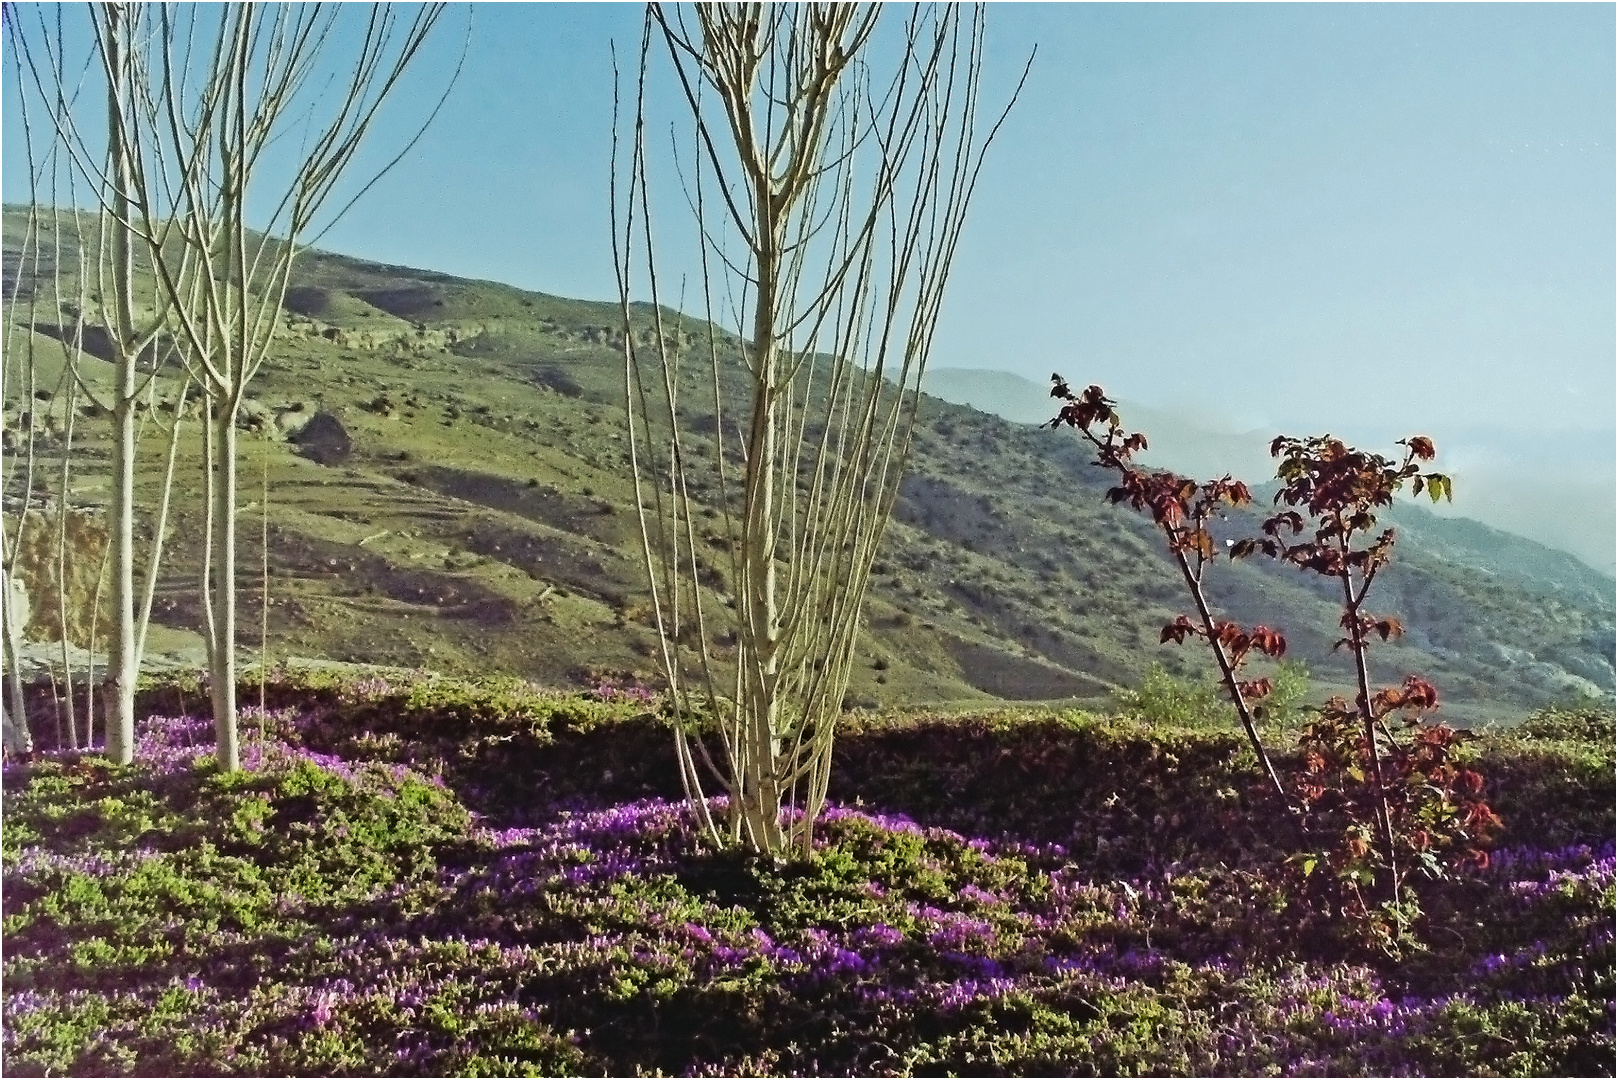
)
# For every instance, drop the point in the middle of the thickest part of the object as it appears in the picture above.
(1551, 777)
(1592, 724)
(1289, 688)
(1164, 699)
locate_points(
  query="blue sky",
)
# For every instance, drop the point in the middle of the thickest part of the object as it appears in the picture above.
(1272, 212)
(1268, 211)
(1380, 216)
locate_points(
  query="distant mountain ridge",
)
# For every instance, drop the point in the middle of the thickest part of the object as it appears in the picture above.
(1465, 542)
(1567, 512)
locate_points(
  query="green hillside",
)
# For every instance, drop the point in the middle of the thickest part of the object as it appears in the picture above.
(483, 521)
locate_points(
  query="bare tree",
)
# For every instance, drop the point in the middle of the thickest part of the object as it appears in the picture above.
(828, 201)
(117, 45)
(18, 363)
(131, 327)
(49, 268)
(230, 130)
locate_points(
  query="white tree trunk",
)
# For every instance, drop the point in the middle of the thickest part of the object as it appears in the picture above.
(122, 664)
(222, 657)
(154, 565)
(122, 661)
(18, 739)
(61, 565)
(761, 795)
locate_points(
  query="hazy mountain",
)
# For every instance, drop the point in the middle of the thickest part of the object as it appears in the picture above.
(1562, 494)
(471, 508)
(1198, 445)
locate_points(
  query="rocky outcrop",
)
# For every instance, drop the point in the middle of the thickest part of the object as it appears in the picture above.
(394, 338)
(83, 558)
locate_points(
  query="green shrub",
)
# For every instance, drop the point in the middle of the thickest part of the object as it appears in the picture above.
(1289, 687)
(1109, 905)
(1587, 724)
(1552, 778)
(1163, 700)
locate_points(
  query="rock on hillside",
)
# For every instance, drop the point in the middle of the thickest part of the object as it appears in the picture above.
(41, 555)
(323, 440)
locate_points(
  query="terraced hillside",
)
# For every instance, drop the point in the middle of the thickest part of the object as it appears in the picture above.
(463, 502)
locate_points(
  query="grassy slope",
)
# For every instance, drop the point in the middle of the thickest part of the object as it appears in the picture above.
(484, 522)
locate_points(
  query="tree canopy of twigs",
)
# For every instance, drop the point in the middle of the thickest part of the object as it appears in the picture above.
(828, 165)
(231, 131)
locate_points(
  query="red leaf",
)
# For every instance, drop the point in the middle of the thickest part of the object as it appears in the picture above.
(1269, 642)
(1254, 689)
(1421, 446)
(1479, 816)
(1420, 693)
(1290, 518)
(1177, 630)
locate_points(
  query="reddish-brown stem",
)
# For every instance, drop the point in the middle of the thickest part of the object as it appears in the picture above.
(1357, 643)
(1228, 671)
(1193, 584)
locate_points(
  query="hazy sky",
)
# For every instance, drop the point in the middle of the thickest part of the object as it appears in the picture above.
(1271, 213)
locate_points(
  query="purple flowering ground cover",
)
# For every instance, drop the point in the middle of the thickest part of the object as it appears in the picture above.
(439, 878)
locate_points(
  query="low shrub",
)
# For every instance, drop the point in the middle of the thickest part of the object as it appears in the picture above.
(1163, 699)
(1010, 893)
(1551, 778)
